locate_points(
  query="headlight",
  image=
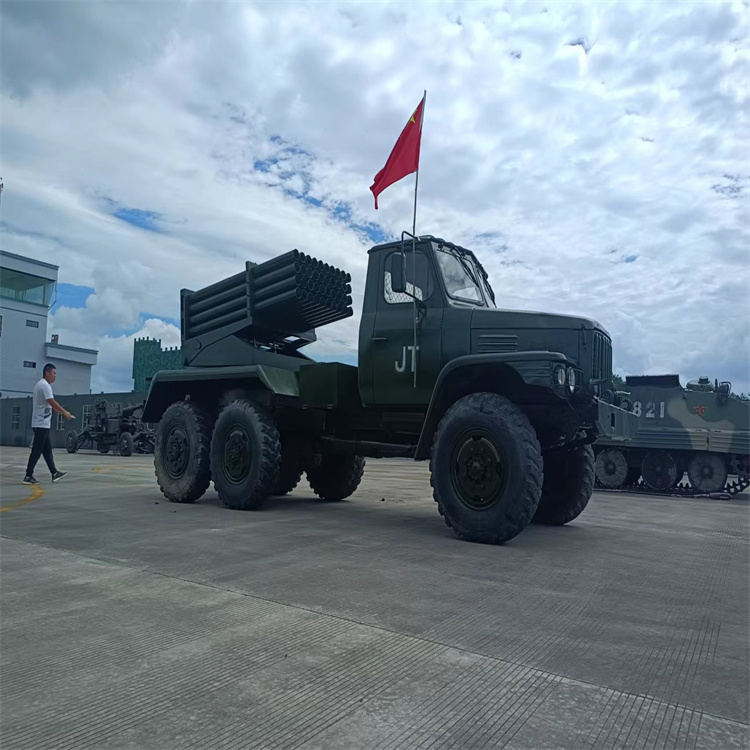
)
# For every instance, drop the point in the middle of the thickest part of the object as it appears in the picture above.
(571, 379)
(559, 376)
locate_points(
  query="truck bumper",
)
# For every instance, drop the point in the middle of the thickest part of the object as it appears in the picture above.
(615, 423)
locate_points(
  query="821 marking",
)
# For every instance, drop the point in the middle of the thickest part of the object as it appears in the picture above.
(650, 409)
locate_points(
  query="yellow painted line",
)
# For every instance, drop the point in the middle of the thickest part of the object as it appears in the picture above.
(36, 493)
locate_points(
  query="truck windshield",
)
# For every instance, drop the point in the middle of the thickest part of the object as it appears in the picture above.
(460, 276)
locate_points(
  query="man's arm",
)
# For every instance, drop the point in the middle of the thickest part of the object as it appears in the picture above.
(58, 408)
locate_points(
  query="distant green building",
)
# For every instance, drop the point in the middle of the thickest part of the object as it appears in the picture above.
(149, 358)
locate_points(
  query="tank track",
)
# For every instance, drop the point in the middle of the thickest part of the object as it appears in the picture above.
(683, 489)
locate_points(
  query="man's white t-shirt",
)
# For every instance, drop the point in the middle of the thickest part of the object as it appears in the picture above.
(42, 414)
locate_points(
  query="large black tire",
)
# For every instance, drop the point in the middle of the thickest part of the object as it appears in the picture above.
(182, 452)
(245, 455)
(103, 448)
(71, 441)
(290, 470)
(337, 477)
(568, 483)
(486, 469)
(125, 444)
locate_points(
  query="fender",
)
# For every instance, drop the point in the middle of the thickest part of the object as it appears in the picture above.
(532, 368)
(169, 386)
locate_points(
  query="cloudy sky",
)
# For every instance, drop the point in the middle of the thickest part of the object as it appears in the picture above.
(595, 155)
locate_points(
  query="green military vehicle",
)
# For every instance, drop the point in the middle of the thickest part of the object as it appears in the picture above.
(504, 404)
(701, 429)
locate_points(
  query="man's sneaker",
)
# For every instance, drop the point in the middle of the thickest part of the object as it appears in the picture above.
(30, 480)
(58, 475)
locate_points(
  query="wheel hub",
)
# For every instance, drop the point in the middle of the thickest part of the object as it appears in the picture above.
(477, 471)
(237, 455)
(177, 453)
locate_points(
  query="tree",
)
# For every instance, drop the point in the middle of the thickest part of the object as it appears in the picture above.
(619, 383)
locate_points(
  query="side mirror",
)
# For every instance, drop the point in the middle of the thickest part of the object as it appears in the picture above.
(398, 279)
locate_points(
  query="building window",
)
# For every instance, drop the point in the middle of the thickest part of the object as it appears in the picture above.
(32, 365)
(25, 287)
(60, 421)
(32, 323)
(86, 423)
(15, 418)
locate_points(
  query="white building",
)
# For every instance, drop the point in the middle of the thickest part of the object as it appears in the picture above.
(27, 291)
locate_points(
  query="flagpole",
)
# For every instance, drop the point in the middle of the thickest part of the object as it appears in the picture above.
(414, 243)
(416, 181)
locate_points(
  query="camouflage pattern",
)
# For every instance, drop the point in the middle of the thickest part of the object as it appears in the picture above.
(701, 428)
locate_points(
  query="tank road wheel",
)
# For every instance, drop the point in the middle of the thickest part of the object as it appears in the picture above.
(486, 469)
(612, 468)
(290, 470)
(181, 452)
(568, 484)
(71, 441)
(659, 470)
(337, 477)
(125, 444)
(245, 455)
(707, 472)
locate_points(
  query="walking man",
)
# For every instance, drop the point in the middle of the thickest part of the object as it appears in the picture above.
(41, 422)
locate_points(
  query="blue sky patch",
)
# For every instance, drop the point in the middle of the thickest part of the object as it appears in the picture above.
(630, 259)
(139, 218)
(71, 295)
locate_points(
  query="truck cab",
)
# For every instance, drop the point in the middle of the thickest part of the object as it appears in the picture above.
(431, 332)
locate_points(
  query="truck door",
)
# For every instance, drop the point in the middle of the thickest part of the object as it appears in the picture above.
(392, 349)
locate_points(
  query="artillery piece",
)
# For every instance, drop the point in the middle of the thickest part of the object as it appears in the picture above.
(123, 430)
(504, 404)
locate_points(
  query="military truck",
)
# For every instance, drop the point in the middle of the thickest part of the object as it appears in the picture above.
(701, 429)
(504, 404)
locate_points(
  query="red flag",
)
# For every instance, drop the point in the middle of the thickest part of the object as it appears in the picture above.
(404, 158)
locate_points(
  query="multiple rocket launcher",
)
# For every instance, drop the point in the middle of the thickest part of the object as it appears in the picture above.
(289, 294)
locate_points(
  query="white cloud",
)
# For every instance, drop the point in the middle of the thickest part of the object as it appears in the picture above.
(556, 162)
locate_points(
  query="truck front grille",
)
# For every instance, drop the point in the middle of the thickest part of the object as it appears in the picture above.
(601, 365)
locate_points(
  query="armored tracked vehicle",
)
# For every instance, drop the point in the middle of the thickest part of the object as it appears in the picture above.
(504, 404)
(701, 429)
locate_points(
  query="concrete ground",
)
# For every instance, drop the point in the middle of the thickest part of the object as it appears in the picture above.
(131, 622)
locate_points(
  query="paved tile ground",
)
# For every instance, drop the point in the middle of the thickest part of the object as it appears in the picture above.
(131, 622)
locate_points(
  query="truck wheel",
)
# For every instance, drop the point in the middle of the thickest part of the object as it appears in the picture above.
(486, 468)
(612, 468)
(125, 444)
(181, 452)
(245, 455)
(707, 472)
(290, 471)
(71, 441)
(659, 470)
(103, 448)
(568, 484)
(337, 477)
